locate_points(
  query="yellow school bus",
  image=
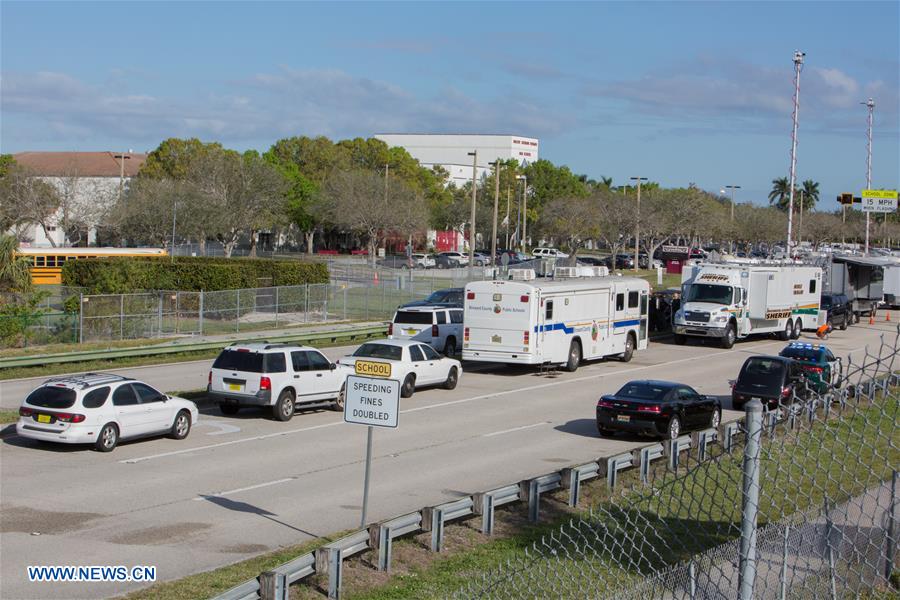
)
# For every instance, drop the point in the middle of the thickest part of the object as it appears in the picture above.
(47, 263)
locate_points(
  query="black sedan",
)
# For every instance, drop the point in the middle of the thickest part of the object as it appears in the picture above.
(657, 408)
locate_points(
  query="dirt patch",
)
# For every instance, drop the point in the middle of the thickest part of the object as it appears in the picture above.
(245, 549)
(32, 520)
(154, 536)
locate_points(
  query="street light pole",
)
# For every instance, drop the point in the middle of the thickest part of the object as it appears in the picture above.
(122, 158)
(474, 156)
(524, 209)
(637, 222)
(732, 188)
(798, 66)
(870, 104)
(496, 201)
(174, 214)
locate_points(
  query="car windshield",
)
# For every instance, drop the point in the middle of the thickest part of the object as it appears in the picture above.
(826, 301)
(52, 397)
(643, 391)
(438, 296)
(409, 317)
(766, 372)
(235, 360)
(385, 351)
(705, 292)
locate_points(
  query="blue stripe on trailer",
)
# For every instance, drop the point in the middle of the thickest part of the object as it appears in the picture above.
(553, 327)
(627, 323)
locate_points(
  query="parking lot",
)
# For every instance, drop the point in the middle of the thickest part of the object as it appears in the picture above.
(241, 485)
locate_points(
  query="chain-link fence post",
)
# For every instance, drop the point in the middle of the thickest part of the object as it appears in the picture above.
(890, 540)
(200, 313)
(159, 311)
(306, 310)
(237, 312)
(750, 498)
(80, 317)
(829, 550)
(121, 316)
(784, 564)
(345, 301)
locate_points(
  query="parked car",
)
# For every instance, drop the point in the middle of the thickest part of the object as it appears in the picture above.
(275, 376)
(657, 408)
(593, 261)
(102, 409)
(514, 257)
(838, 310)
(482, 259)
(624, 261)
(423, 261)
(820, 366)
(439, 327)
(462, 260)
(548, 253)
(445, 262)
(775, 380)
(412, 363)
(396, 261)
(448, 297)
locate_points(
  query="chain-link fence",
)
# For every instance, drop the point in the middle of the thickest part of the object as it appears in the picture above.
(804, 507)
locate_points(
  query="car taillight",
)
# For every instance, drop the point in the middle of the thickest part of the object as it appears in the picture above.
(604, 404)
(815, 369)
(265, 383)
(69, 418)
(25, 412)
(523, 298)
(209, 379)
(390, 329)
(470, 295)
(651, 408)
(434, 331)
(525, 337)
(785, 392)
(466, 334)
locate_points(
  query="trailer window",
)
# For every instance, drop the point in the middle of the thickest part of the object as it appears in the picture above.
(620, 302)
(632, 299)
(548, 313)
(812, 286)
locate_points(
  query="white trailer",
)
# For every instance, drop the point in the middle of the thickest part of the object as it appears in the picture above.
(554, 321)
(732, 301)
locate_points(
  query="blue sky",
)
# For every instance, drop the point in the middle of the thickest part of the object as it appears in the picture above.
(678, 92)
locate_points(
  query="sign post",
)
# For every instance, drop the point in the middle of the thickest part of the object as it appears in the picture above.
(374, 402)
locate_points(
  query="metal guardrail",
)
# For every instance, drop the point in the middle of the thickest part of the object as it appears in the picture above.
(116, 353)
(274, 584)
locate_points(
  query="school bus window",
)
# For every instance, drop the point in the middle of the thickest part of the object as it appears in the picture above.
(39, 261)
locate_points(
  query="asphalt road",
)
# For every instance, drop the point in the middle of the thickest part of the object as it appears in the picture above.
(242, 485)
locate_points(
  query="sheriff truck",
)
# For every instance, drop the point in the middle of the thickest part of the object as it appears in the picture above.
(732, 301)
(557, 321)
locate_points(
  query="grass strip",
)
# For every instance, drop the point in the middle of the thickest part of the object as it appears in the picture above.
(8, 416)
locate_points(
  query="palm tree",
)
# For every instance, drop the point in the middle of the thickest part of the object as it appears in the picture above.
(781, 191)
(607, 181)
(15, 275)
(810, 194)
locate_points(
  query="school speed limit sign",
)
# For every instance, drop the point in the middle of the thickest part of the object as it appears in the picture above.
(878, 201)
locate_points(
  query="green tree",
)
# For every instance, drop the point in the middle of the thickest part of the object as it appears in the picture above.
(15, 275)
(174, 158)
(781, 192)
(575, 220)
(810, 191)
(28, 199)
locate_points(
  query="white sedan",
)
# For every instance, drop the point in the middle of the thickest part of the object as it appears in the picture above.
(413, 364)
(101, 409)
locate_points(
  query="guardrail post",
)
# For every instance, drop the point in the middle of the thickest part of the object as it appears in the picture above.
(272, 586)
(573, 477)
(675, 447)
(614, 465)
(703, 440)
(648, 455)
(729, 432)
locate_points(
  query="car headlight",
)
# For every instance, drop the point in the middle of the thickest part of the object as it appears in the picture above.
(679, 315)
(722, 319)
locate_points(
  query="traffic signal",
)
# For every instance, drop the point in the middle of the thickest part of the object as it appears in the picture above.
(845, 198)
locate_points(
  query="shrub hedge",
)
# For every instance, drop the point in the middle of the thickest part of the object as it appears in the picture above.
(122, 275)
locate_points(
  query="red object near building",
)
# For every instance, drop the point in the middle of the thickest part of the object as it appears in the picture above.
(673, 267)
(445, 241)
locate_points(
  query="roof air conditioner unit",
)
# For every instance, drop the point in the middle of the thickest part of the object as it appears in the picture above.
(565, 272)
(522, 274)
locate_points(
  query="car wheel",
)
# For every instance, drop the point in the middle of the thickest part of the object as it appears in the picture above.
(182, 425)
(674, 428)
(604, 431)
(228, 408)
(108, 438)
(716, 418)
(844, 323)
(629, 349)
(450, 346)
(338, 404)
(283, 410)
(798, 329)
(727, 340)
(408, 387)
(404, 267)
(680, 340)
(574, 357)
(441, 265)
(452, 379)
(788, 331)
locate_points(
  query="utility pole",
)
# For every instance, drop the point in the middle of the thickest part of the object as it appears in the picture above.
(507, 218)
(524, 209)
(798, 66)
(637, 222)
(474, 156)
(174, 214)
(732, 188)
(122, 158)
(870, 104)
(496, 200)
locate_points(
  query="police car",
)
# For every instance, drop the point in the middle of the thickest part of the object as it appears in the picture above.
(819, 364)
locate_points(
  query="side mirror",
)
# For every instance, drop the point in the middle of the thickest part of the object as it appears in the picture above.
(732, 382)
(332, 366)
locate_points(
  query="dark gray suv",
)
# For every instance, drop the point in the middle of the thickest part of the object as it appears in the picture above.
(838, 309)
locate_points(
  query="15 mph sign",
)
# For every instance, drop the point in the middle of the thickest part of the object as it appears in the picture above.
(372, 401)
(880, 201)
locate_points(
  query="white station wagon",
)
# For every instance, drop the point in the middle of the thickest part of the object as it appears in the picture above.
(411, 363)
(101, 409)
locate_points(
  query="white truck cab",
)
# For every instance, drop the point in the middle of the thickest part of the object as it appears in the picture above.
(732, 301)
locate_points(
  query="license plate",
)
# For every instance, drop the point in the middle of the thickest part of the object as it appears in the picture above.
(43, 418)
(410, 331)
(623, 418)
(234, 387)
(373, 369)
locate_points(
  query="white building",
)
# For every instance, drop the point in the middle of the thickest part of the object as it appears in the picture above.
(451, 151)
(88, 184)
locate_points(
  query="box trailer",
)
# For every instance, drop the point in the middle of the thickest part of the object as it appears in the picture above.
(732, 301)
(865, 280)
(556, 321)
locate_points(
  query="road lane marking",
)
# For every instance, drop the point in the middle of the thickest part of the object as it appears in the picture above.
(516, 429)
(244, 489)
(223, 428)
(452, 402)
